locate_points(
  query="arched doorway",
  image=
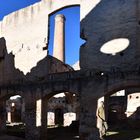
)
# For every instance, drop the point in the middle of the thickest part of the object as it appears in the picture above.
(117, 104)
(122, 112)
(12, 116)
(61, 111)
(15, 107)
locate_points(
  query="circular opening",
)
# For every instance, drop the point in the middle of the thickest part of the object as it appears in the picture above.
(137, 97)
(114, 46)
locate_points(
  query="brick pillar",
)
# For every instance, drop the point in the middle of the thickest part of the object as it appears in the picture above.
(31, 131)
(2, 116)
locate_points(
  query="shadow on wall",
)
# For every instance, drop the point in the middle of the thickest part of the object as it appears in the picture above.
(110, 21)
(123, 134)
(10, 75)
(8, 72)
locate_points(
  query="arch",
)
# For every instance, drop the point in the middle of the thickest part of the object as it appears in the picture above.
(67, 32)
(55, 10)
(15, 107)
(12, 112)
(117, 86)
(53, 93)
(7, 93)
(122, 84)
(56, 87)
(63, 7)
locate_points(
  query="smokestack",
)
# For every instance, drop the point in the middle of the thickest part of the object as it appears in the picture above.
(59, 38)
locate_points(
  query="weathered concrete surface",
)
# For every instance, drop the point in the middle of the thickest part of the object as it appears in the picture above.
(32, 37)
(35, 18)
(97, 27)
(47, 66)
(107, 21)
(7, 66)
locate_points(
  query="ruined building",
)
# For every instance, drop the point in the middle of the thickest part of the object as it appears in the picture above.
(109, 60)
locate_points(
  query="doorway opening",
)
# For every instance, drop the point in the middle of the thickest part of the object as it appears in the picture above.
(15, 116)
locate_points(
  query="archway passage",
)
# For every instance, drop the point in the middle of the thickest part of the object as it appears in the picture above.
(12, 117)
(15, 109)
(62, 115)
(122, 113)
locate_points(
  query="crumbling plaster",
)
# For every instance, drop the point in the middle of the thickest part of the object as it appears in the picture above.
(97, 27)
(26, 30)
(107, 21)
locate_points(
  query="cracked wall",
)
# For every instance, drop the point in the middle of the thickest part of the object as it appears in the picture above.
(26, 30)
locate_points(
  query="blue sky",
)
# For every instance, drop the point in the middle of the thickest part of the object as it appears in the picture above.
(72, 28)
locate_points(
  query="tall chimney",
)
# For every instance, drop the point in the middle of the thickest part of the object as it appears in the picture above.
(59, 38)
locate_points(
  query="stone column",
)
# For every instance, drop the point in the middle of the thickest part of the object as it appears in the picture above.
(44, 119)
(106, 105)
(89, 95)
(31, 131)
(2, 116)
(88, 129)
(23, 110)
(59, 38)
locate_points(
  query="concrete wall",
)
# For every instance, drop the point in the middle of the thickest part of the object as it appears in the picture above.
(107, 21)
(26, 31)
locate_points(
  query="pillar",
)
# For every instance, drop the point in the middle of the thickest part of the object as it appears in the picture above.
(23, 110)
(59, 38)
(89, 95)
(88, 129)
(31, 131)
(44, 119)
(106, 106)
(2, 116)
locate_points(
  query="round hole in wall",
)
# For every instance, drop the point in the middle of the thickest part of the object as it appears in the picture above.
(114, 46)
(137, 97)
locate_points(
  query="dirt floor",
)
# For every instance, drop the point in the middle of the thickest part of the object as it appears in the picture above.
(6, 137)
(123, 135)
(70, 133)
(63, 133)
